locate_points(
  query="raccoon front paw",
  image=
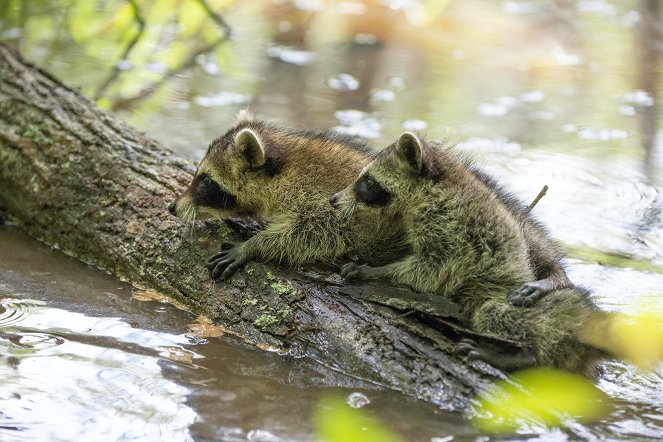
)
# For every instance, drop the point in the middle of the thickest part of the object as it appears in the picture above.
(527, 294)
(230, 259)
(353, 271)
(467, 349)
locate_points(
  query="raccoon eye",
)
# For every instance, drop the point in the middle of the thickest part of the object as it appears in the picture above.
(370, 192)
(206, 181)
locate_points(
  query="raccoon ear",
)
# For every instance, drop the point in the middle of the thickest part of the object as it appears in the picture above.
(250, 145)
(409, 149)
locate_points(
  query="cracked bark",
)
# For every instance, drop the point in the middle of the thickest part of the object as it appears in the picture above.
(81, 180)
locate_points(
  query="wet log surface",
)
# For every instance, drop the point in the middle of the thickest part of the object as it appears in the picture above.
(81, 180)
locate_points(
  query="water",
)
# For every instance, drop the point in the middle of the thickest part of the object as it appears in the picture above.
(556, 93)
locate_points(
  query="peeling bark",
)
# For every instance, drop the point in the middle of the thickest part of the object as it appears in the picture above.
(79, 179)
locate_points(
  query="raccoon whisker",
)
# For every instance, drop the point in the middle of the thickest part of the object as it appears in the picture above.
(192, 215)
(347, 210)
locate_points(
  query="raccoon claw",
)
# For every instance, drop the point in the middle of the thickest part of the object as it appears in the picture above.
(352, 271)
(467, 349)
(225, 263)
(224, 248)
(526, 295)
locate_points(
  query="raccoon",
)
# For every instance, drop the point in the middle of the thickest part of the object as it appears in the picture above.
(472, 244)
(284, 177)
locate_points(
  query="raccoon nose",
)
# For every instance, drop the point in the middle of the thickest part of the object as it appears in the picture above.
(172, 206)
(334, 200)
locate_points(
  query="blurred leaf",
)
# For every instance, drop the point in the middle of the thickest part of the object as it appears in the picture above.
(190, 19)
(539, 396)
(336, 421)
(425, 12)
(639, 338)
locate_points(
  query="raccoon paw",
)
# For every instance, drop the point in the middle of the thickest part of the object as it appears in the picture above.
(353, 271)
(225, 263)
(467, 349)
(527, 294)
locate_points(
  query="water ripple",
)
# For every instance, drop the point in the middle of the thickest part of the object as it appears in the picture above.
(13, 311)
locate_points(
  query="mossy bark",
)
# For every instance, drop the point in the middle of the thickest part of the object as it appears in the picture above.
(83, 181)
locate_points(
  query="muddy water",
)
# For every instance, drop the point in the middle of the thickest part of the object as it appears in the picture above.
(557, 93)
(83, 359)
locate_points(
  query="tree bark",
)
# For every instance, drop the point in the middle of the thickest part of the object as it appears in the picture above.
(83, 181)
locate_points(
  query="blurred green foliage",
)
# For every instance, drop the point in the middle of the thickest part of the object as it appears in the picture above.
(539, 396)
(336, 421)
(152, 39)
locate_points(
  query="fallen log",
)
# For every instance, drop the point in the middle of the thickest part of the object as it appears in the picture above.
(81, 180)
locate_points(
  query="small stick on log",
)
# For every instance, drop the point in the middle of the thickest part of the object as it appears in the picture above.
(541, 194)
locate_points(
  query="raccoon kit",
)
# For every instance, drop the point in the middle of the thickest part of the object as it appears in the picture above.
(286, 178)
(472, 242)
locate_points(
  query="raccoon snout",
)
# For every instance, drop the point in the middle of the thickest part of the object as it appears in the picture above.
(172, 207)
(335, 201)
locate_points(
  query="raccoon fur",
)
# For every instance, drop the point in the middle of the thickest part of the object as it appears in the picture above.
(286, 178)
(471, 243)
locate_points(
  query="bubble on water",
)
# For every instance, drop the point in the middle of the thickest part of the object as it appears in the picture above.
(543, 115)
(124, 65)
(602, 134)
(382, 95)
(532, 96)
(158, 67)
(565, 58)
(492, 109)
(366, 39)
(223, 98)
(343, 82)
(626, 110)
(569, 127)
(37, 341)
(506, 100)
(397, 83)
(414, 125)
(358, 123)
(357, 400)
(291, 55)
(630, 19)
(638, 97)
(520, 8)
(351, 8)
(309, 5)
(501, 145)
(208, 63)
(598, 7)
(261, 436)
(442, 439)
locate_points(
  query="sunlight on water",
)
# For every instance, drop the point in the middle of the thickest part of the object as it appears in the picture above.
(67, 376)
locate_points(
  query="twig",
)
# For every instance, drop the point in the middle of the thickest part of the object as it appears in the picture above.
(147, 91)
(537, 199)
(227, 31)
(115, 73)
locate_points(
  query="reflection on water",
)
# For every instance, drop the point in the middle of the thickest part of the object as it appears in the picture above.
(540, 92)
(71, 377)
(80, 358)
